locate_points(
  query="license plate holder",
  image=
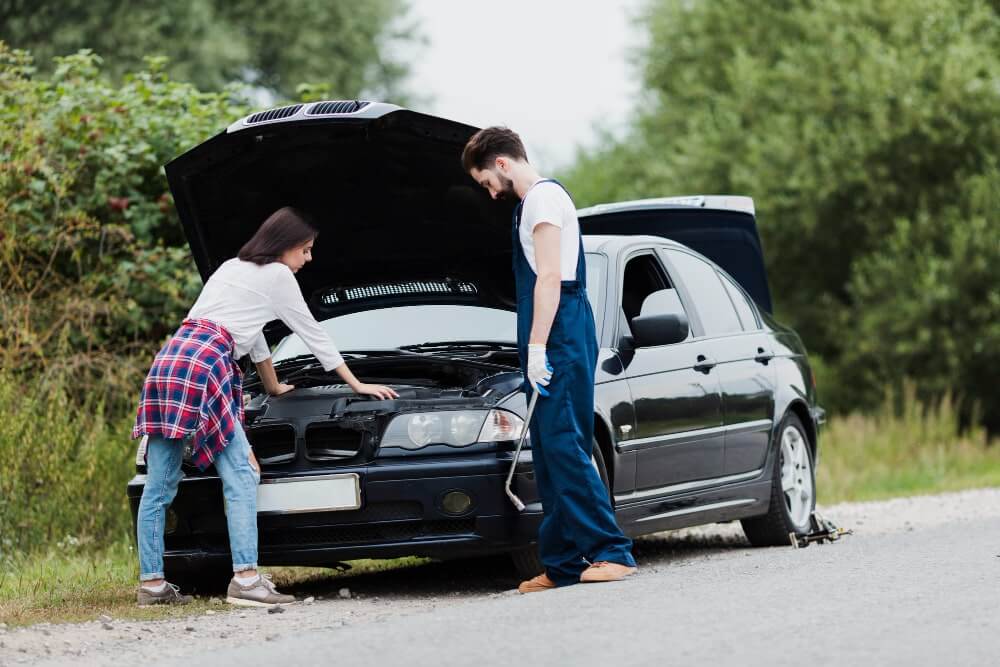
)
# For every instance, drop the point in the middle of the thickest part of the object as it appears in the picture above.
(320, 493)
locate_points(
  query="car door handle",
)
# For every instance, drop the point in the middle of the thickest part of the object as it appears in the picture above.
(763, 356)
(704, 364)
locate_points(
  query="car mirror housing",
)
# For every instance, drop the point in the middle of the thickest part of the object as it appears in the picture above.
(655, 330)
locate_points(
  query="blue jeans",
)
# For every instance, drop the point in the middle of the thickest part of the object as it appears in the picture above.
(239, 488)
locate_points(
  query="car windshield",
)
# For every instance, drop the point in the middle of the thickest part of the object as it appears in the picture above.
(391, 328)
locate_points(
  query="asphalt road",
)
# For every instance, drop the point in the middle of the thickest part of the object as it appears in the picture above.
(915, 585)
(908, 598)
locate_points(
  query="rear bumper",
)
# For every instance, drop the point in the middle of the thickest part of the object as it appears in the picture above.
(400, 515)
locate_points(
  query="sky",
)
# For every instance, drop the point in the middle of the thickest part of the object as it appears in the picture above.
(548, 69)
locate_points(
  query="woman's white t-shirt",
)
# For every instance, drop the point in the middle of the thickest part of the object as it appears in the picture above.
(242, 297)
(546, 201)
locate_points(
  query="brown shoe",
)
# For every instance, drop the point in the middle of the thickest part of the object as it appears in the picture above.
(536, 585)
(603, 570)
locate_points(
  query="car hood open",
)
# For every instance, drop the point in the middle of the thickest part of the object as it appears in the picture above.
(396, 212)
(399, 219)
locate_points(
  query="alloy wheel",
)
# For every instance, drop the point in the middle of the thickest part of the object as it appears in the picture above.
(796, 475)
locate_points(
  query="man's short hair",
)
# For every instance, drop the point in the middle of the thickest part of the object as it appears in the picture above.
(488, 144)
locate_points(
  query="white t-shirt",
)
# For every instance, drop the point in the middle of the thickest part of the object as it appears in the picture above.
(548, 202)
(243, 297)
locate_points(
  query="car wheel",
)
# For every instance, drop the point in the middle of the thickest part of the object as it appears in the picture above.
(527, 562)
(793, 489)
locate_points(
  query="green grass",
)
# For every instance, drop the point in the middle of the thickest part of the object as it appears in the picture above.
(904, 451)
(63, 586)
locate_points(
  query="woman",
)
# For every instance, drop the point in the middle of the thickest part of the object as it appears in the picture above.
(194, 390)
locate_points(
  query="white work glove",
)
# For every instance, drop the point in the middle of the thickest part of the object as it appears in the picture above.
(539, 370)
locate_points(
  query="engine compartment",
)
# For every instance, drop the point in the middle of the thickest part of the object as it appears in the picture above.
(322, 423)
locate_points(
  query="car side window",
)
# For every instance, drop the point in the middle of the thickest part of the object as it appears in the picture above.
(743, 308)
(646, 290)
(718, 316)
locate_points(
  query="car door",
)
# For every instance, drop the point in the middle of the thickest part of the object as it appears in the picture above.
(678, 403)
(742, 354)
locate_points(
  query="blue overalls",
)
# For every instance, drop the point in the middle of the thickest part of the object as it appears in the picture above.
(578, 526)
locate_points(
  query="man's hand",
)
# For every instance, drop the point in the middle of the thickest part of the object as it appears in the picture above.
(539, 370)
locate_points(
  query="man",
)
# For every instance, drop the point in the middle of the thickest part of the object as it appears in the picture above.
(578, 540)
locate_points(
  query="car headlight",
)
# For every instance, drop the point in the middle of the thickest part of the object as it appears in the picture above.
(456, 428)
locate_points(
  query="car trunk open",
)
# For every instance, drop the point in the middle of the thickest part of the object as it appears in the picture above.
(729, 238)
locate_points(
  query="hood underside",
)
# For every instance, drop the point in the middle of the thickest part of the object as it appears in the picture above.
(388, 194)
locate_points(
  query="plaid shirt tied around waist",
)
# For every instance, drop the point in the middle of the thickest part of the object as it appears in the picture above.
(193, 387)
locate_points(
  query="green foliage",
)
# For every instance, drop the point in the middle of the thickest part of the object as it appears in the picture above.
(63, 469)
(906, 447)
(269, 43)
(94, 269)
(867, 134)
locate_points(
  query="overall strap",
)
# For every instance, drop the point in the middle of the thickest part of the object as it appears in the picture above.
(520, 204)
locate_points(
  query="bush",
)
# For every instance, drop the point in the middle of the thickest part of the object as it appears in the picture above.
(94, 268)
(63, 470)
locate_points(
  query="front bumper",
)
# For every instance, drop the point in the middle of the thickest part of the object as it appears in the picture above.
(400, 515)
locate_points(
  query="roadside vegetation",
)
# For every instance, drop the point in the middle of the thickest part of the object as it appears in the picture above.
(866, 133)
(906, 448)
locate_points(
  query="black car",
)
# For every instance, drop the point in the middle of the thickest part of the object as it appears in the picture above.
(705, 407)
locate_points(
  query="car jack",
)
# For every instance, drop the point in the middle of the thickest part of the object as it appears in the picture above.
(822, 530)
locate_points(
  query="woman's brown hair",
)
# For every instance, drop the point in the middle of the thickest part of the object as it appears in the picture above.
(283, 230)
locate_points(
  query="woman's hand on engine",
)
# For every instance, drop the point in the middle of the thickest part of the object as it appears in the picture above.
(280, 388)
(377, 390)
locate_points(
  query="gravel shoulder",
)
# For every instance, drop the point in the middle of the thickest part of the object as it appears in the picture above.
(687, 577)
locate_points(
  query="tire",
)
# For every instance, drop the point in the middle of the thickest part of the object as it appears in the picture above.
(527, 562)
(793, 497)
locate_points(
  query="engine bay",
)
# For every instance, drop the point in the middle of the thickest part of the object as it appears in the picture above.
(324, 422)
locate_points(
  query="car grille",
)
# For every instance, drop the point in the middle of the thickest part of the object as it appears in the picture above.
(272, 444)
(336, 107)
(330, 442)
(273, 114)
(355, 533)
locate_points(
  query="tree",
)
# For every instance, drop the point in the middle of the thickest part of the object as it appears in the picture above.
(866, 133)
(266, 43)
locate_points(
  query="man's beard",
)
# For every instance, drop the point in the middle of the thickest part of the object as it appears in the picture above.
(506, 191)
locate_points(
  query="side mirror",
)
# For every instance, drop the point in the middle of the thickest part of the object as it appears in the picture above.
(655, 330)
